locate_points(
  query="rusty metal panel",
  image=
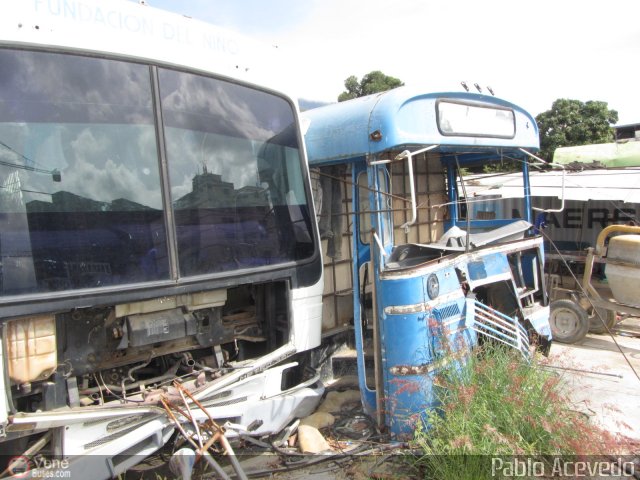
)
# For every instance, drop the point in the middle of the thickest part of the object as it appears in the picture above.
(431, 197)
(337, 301)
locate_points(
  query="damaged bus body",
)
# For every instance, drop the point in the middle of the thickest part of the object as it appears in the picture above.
(432, 272)
(155, 225)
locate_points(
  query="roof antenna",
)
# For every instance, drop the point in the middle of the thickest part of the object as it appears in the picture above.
(477, 87)
(464, 85)
(490, 90)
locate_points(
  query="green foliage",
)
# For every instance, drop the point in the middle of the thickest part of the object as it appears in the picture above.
(495, 166)
(499, 406)
(372, 82)
(572, 122)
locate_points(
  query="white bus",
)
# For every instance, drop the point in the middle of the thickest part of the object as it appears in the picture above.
(156, 224)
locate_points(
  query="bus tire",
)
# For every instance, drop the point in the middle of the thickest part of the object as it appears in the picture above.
(598, 316)
(569, 322)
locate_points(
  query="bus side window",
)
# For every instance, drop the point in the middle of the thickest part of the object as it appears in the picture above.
(364, 208)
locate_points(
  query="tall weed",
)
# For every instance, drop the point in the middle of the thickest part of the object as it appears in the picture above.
(497, 405)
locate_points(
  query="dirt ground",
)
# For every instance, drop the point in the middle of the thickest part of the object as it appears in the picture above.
(599, 378)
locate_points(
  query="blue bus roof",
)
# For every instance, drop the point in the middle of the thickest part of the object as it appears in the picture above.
(406, 117)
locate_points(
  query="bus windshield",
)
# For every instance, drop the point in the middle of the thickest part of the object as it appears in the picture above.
(86, 145)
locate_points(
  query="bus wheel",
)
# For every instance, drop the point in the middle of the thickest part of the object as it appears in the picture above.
(595, 322)
(569, 322)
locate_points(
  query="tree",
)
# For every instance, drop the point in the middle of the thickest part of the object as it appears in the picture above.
(572, 122)
(372, 82)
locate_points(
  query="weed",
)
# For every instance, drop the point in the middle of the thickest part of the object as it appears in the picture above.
(497, 405)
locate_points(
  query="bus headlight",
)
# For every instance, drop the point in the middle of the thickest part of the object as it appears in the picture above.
(433, 286)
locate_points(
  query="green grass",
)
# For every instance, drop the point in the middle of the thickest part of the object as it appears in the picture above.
(497, 405)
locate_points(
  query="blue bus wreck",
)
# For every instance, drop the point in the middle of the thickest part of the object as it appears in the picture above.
(434, 272)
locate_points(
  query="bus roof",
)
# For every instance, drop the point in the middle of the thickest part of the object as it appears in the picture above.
(408, 117)
(138, 32)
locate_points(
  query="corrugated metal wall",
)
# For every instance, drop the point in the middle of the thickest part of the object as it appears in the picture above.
(580, 222)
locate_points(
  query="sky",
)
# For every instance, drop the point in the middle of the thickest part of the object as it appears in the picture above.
(529, 52)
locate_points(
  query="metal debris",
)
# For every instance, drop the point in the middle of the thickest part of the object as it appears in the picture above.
(208, 432)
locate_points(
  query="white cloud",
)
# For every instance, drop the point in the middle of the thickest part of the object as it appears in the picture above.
(100, 174)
